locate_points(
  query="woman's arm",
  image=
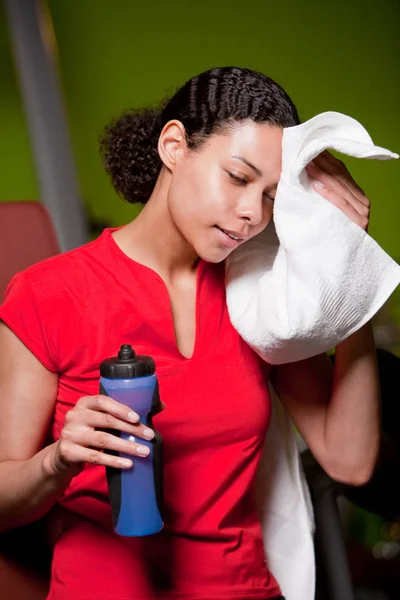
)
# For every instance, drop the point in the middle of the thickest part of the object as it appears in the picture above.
(32, 478)
(28, 391)
(337, 410)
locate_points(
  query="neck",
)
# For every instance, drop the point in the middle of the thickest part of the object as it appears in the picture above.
(154, 240)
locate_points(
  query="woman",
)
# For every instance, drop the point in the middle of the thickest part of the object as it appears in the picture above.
(206, 166)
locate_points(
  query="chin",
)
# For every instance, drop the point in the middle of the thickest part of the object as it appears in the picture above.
(214, 256)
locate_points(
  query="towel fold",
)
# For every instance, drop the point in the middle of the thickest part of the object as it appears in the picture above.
(312, 277)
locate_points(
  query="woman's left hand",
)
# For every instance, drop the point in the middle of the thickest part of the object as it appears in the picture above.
(335, 184)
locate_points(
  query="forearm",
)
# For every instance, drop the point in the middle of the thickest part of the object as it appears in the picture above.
(29, 488)
(352, 423)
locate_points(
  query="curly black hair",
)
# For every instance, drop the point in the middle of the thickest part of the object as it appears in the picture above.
(205, 104)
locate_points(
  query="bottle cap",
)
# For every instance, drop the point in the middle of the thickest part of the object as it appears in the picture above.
(127, 365)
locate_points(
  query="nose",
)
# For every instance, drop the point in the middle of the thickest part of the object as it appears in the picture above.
(250, 209)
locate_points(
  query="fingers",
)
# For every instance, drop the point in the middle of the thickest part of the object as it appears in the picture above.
(344, 205)
(86, 433)
(332, 165)
(102, 440)
(110, 406)
(104, 421)
(71, 454)
(337, 190)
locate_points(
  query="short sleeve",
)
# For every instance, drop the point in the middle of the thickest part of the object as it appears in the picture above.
(26, 317)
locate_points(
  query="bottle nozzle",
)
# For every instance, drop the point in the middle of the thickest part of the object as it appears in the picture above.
(126, 352)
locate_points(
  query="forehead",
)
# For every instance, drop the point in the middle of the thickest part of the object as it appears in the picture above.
(258, 143)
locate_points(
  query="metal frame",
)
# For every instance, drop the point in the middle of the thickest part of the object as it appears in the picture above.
(31, 36)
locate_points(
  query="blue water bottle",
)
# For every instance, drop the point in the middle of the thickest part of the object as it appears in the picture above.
(136, 493)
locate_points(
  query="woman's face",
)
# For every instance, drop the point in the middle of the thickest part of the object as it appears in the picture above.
(222, 194)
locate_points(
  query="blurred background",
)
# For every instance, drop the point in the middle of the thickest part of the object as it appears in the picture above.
(110, 56)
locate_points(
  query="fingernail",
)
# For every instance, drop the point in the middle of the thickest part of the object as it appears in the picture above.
(318, 184)
(143, 451)
(125, 462)
(132, 416)
(148, 433)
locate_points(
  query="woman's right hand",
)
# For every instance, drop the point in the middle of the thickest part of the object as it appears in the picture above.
(85, 435)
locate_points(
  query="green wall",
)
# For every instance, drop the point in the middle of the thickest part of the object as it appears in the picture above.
(114, 55)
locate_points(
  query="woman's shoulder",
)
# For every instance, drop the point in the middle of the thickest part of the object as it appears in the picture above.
(68, 269)
(60, 264)
(47, 304)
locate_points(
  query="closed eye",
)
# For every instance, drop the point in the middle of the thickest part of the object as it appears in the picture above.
(243, 181)
(269, 197)
(236, 178)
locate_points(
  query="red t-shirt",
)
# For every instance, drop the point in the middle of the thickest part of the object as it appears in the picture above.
(76, 309)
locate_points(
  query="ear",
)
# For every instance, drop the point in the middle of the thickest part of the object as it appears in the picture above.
(172, 143)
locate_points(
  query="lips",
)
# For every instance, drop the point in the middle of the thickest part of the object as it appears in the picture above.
(229, 239)
(234, 235)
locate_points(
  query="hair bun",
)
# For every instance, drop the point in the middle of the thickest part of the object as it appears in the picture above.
(130, 155)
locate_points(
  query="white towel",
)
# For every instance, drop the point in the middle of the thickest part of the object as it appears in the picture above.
(294, 292)
(313, 277)
(285, 510)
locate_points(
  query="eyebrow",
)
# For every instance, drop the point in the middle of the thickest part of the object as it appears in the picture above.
(249, 164)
